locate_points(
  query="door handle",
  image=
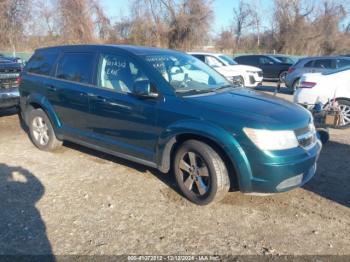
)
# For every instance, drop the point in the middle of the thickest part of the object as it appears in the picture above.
(97, 97)
(51, 88)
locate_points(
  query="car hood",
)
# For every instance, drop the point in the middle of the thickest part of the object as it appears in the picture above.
(227, 71)
(247, 108)
(244, 68)
(9, 65)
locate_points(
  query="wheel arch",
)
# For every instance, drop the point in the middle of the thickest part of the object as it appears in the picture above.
(210, 135)
(35, 101)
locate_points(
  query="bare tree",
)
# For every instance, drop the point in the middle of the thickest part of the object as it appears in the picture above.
(13, 14)
(76, 22)
(242, 19)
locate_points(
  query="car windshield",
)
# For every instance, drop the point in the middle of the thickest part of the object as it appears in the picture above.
(228, 59)
(187, 74)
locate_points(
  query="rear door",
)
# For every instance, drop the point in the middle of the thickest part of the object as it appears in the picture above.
(269, 66)
(68, 91)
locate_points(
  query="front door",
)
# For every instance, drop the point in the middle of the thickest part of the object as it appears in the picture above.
(119, 120)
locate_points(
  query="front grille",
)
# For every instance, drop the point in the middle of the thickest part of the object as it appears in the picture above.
(9, 70)
(306, 136)
(8, 83)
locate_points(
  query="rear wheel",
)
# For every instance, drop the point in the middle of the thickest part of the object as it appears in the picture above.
(282, 76)
(295, 85)
(41, 131)
(200, 173)
(344, 106)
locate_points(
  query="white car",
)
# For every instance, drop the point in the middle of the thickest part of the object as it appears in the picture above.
(323, 88)
(250, 76)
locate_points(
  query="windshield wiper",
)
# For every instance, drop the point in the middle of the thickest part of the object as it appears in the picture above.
(192, 90)
(223, 87)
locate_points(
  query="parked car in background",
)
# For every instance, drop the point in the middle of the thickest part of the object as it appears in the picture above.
(314, 65)
(250, 76)
(322, 88)
(9, 81)
(124, 100)
(273, 69)
(13, 59)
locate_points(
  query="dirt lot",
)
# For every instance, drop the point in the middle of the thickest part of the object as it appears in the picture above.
(79, 201)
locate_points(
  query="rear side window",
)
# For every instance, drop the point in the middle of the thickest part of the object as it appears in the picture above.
(200, 57)
(309, 64)
(250, 60)
(76, 67)
(323, 63)
(41, 63)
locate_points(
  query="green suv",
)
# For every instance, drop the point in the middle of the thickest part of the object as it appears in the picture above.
(170, 111)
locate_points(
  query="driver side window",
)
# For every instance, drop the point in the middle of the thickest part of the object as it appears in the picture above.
(118, 73)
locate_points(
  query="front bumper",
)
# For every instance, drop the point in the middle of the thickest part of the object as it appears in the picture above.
(9, 97)
(253, 80)
(278, 171)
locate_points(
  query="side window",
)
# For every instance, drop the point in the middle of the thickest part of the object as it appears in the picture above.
(263, 60)
(77, 67)
(213, 61)
(309, 64)
(323, 63)
(41, 63)
(200, 57)
(342, 63)
(118, 74)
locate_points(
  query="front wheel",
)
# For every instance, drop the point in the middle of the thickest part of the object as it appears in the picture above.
(200, 173)
(239, 82)
(344, 106)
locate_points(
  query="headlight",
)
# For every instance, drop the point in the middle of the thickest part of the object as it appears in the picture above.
(253, 72)
(272, 140)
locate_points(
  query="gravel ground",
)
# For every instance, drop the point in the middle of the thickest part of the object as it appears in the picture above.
(79, 201)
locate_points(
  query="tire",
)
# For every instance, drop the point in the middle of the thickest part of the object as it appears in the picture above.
(345, 110)
(41, 131)
(196, 164)
(282, 76)
(295, 85)
(240, 81)
(323, 135)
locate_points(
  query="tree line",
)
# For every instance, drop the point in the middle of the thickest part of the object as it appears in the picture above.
(289, 26)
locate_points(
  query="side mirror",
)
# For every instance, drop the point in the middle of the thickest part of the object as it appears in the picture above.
(142, 88)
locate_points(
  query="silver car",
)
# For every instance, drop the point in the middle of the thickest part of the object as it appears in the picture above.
(314, 65)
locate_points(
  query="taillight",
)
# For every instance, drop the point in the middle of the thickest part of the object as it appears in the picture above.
(306, 84)
(290, 70)
(19, 80)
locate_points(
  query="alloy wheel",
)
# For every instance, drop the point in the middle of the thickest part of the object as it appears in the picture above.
(195, 173)
(40, 131)
(345, 112)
